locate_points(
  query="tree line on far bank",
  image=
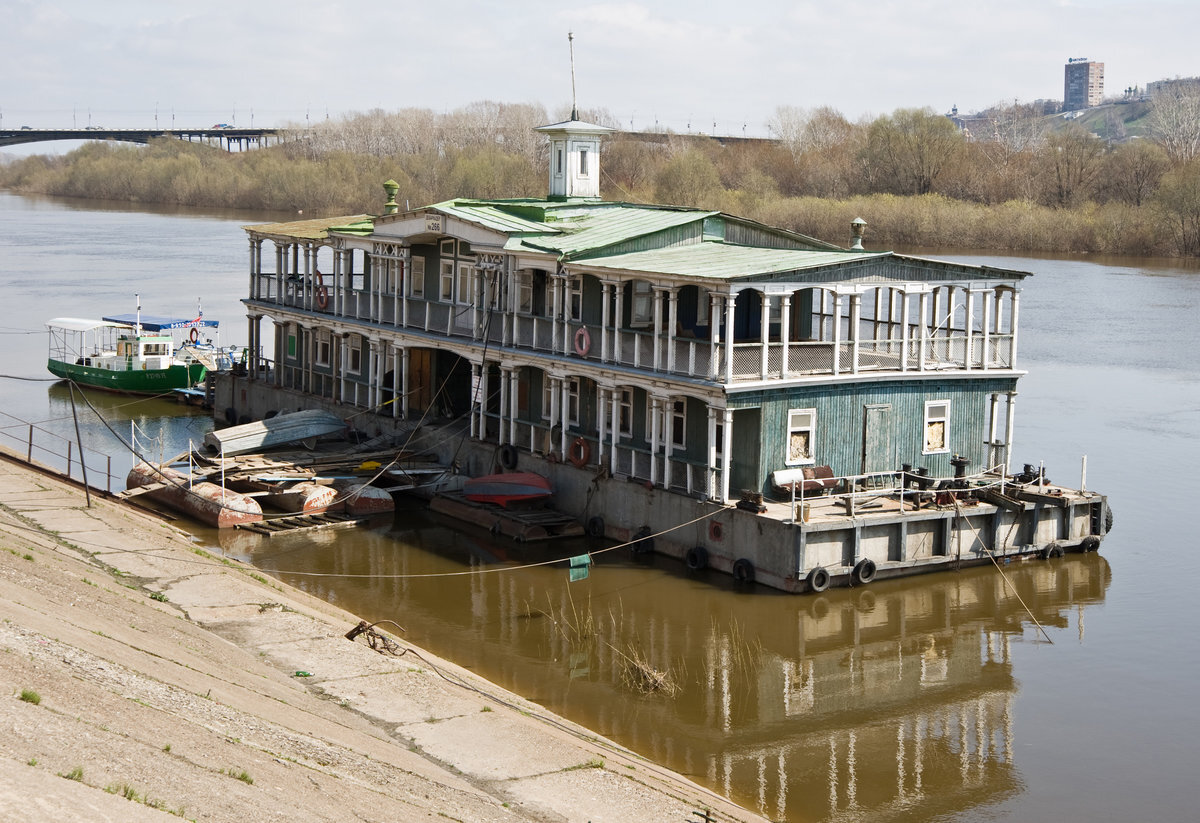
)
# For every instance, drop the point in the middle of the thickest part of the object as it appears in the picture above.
(1019, 181)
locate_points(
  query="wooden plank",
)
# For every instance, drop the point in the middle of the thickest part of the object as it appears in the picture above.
(998, 498)
(1040, 497)
(140, 490)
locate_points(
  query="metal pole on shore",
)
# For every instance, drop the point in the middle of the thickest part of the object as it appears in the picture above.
(82, 457)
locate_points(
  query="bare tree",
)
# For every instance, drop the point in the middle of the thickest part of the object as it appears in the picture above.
(1178, 200)
(805, 130)
(1070, 162)
(1174, 121)
(1132, 171)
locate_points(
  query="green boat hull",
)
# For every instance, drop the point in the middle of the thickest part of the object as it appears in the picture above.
(130, 381)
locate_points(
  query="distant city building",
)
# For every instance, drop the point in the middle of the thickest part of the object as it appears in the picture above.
(1083, 85)
(1181, 83)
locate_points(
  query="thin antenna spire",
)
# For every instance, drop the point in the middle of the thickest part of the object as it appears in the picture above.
(571, 45)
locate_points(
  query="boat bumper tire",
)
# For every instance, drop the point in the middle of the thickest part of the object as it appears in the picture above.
(864, 571)
(818, 579)
(743, 570)
(696, 558)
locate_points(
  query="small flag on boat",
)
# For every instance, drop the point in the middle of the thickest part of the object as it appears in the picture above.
(579, 567)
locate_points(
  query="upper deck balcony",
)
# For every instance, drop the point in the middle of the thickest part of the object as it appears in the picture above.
(732, 334)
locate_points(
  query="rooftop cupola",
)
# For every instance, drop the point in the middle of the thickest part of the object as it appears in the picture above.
(574, 158)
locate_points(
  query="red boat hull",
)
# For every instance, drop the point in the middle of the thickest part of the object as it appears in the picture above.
(505, 489)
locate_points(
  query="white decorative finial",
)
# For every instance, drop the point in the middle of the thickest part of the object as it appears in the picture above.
(571, 45)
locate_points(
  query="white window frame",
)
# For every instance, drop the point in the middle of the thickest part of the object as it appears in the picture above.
(416, 281)
(324, 347)
(354, 355)
(572, 414)
(446, 282)
(583, 163)
(625, 413)
(677, 418)
(464, 283)
(641, 308)
(936, 411)
(525, 292)
(575, 298)
(547, 396)
(800, 422)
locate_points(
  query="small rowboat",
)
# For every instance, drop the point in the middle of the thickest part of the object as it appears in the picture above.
(504, 489)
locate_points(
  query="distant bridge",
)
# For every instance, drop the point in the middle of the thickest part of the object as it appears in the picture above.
(227, 138)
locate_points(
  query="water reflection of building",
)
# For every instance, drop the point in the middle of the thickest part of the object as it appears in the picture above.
(892, 701)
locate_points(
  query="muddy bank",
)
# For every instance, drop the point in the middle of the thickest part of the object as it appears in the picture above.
(161, 681)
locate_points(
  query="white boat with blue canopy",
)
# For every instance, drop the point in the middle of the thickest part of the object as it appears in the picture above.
(136, 353)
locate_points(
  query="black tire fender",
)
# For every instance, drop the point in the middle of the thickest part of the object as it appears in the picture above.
(595, 526)
(642, 542)
(864, 571)
(508, 457)
(818, 579)
(743, 570)
(696, 558)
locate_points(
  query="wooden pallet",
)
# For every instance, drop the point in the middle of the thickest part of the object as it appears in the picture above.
(303, 522)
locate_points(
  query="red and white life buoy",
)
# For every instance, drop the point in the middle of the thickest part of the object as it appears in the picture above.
(580, 453)
(322, 296)
(583, 341)
(194, 335)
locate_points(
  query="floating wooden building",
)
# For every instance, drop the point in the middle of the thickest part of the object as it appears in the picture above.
(707, 357)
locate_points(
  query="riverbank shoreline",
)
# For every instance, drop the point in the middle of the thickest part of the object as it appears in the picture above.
(146, 678)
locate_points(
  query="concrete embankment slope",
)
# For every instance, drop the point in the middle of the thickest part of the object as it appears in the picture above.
(144, 679)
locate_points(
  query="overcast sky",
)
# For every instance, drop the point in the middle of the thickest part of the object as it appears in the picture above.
(683, 64)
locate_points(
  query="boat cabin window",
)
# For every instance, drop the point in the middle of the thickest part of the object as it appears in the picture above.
(937, 427)
(575, 299)
(417, 281)
(641, 312)
(446, 280)
(464, 285)
(679, 423)
(323, 347)
(802, 423)
(625, 413)
(525, 292)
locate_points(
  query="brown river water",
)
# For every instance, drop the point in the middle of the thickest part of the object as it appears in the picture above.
(1049, 690)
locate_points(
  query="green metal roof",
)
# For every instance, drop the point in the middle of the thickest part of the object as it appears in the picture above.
(601, 227)
(508, 216)
(723, 261)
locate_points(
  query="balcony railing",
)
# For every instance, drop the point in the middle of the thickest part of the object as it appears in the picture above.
(676, 355)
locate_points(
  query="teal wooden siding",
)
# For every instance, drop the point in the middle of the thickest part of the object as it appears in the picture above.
(843, 412)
